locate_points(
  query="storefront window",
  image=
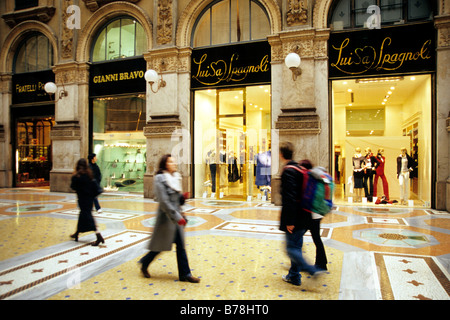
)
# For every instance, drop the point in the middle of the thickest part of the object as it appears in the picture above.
(375, 119)
(121, 38)
(119, 142)
(230, 21)
(232, 146)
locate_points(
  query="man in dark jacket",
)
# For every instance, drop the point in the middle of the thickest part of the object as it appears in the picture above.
(97, 176)
(294, 221)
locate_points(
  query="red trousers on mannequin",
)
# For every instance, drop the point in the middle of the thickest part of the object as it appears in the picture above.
(385, 185)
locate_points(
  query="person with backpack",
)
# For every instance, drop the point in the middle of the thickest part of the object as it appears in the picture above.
(294, 220)
(314, 228)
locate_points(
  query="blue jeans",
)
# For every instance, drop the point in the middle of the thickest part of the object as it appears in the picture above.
(294, 243)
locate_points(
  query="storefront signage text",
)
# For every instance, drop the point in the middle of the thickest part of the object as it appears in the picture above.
(225, 71)
(29, 87)
(384, 51)
(241, 64)
(119, 76)
(105, 77)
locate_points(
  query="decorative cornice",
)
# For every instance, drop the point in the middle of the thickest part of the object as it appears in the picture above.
(298, 121)
(41, 13)
(93, 5)
(169, 59)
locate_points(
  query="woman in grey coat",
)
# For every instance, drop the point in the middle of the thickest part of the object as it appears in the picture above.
(169, 227)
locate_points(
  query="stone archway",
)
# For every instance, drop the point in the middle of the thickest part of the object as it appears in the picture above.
(17, 34)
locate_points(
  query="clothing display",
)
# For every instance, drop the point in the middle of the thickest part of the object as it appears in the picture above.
(379, 173)
(358, 170)
(405, 167)
(263, 162)
(370, 162)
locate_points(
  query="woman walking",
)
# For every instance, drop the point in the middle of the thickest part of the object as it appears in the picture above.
(169, 227)
(87, 189)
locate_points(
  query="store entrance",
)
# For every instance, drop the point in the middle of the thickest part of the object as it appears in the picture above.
(32, 150)
(232, 143)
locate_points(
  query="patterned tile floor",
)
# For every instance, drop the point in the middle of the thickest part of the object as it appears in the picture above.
(374, 252)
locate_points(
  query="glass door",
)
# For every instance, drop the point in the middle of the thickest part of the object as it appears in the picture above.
(33, 151)
(231, 175)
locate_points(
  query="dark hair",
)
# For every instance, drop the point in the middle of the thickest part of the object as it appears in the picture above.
(82, 168)
(287, 150)
(306, 164)
(91, 156)
(163, 163)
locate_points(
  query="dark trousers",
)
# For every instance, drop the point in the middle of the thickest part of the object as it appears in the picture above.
(368, 189)
(183, 264)
(321, 257)
(213, 168)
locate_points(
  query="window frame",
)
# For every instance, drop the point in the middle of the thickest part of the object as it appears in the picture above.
(209, 8)
(23, 45)
(104, 28)
(353, 13)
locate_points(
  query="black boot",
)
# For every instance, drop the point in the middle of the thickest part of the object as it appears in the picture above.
(99, 240)
(75, 236)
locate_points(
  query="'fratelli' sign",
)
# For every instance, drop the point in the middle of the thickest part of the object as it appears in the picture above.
(393, 50)
(241, 64)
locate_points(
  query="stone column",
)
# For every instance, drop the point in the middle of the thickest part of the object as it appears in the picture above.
(5, 129)
(442, 24)
(300, 106)
(70, 135)
(168, 124)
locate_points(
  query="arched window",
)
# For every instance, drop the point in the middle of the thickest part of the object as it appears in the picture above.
(350, 14)
(35, 53)
(228, 21)
(120, 38)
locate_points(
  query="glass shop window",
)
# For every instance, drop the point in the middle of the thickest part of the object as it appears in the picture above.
(349, 14)
(382, 140)
(35, 53)
(120, 38)
(119, 142)
(230, 21)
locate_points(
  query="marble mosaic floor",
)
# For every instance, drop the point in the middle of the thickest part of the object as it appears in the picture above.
(374, 252)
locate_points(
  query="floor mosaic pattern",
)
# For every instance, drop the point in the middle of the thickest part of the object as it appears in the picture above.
(374, 252)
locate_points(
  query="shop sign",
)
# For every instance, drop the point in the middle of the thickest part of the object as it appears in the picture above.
(29, 87)
(117, 77)
(236, 65)
(386, 51)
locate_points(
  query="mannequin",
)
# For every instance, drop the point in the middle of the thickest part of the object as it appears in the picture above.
(358, 173)
(379, 173)
(405, 167)
(369, 170)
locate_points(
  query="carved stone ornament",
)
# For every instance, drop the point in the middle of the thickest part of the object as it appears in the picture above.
(164, 27)
(298, 121)
(93, 5)
(297, 14)
(66, 35)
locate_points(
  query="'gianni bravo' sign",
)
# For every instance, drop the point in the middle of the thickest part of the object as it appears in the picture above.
(391, 50)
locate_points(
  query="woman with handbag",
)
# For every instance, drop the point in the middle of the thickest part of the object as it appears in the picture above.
(169, 226)
(87, 189)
